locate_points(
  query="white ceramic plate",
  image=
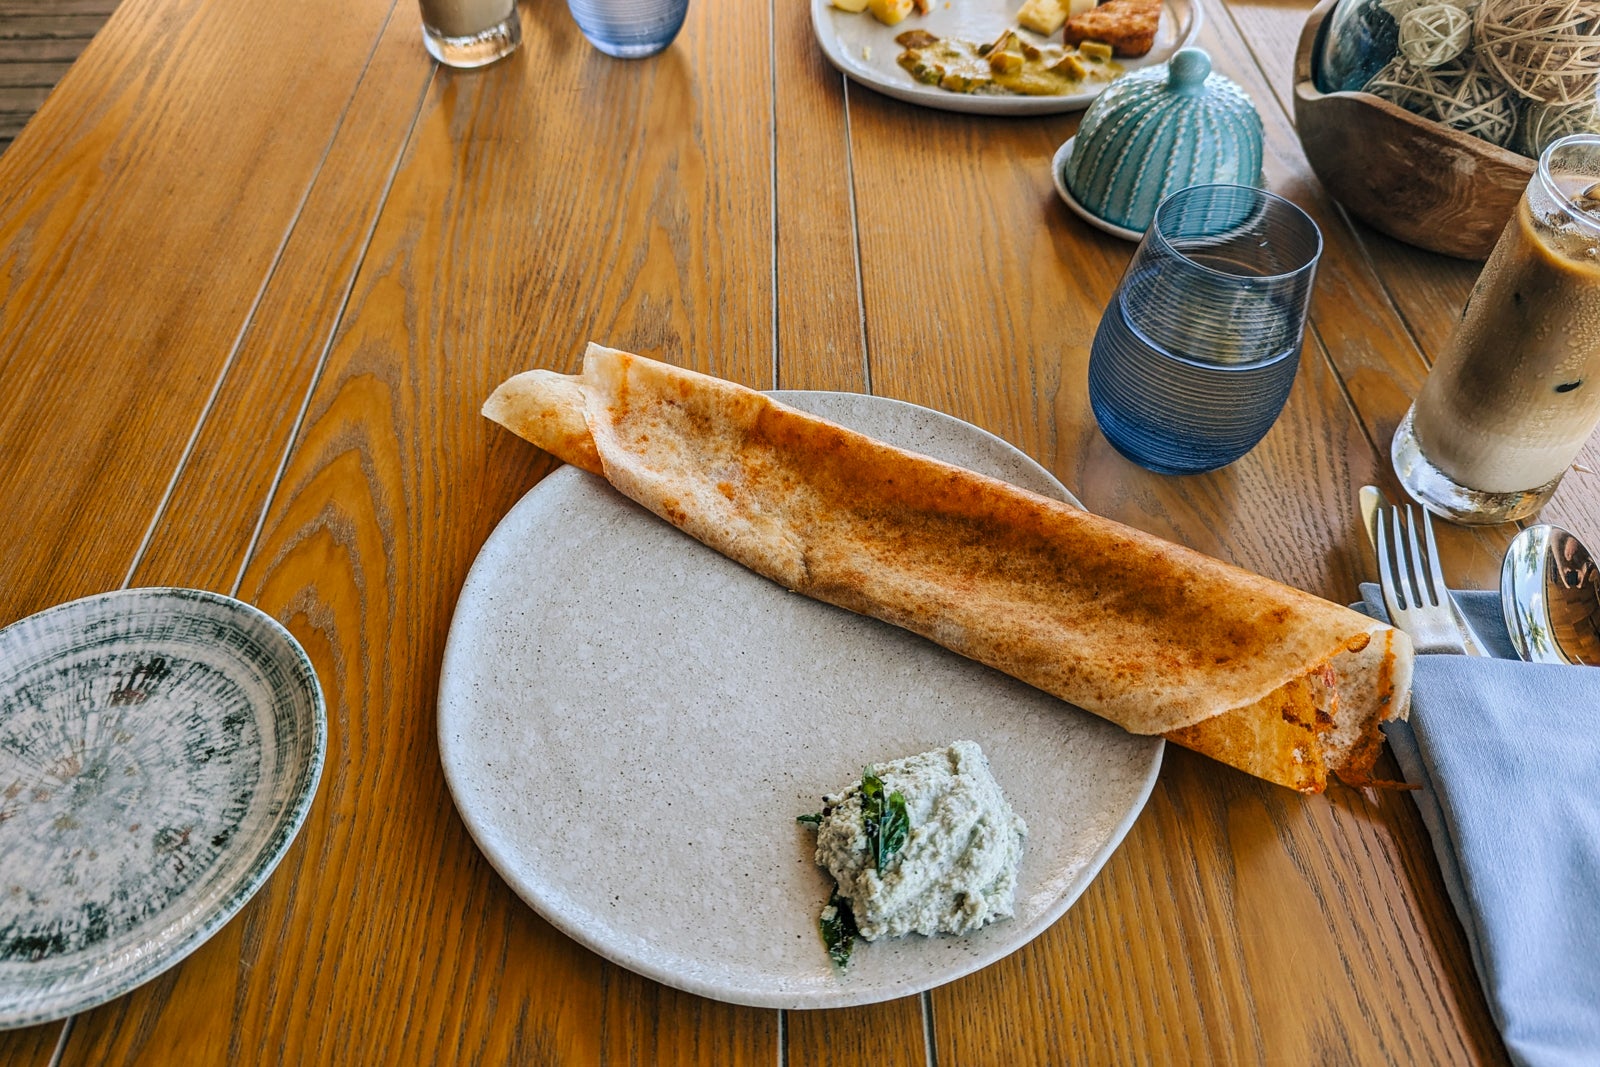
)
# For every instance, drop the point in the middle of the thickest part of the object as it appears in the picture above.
(864, 50)
(630, 722)
(159, 749)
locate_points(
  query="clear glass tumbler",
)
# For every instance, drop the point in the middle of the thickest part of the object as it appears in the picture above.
(1197, 350)
(629, 29)
(470, 33)
(1516, 393)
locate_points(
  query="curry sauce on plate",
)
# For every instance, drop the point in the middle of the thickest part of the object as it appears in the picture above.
(1009, 64)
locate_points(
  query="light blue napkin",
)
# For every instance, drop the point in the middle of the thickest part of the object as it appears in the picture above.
(1507, 755)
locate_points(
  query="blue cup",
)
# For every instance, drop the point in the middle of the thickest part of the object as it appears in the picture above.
(629, 29)
(1197, 350)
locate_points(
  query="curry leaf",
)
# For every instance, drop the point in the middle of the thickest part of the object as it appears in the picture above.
(894, 829)
(809, 820)
(884, 819)
(839, 933)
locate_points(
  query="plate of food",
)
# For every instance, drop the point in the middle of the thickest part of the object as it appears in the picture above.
(999, 57)
(632, 725)
(663, 731)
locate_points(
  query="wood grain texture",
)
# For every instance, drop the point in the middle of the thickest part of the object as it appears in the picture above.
(14, 12)
(31, 1046)
(31, 73)
(483, 263)
(82, 390)
(889, 1034)
(39, 39)
(703, 206)
(1404, 175)
(51, 25)
(217, 498)
(104, 195)
(820, 337)
(986, 308)
(40, 49)
(1429, 292)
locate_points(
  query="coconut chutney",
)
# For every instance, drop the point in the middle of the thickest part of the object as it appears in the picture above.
(956, 869)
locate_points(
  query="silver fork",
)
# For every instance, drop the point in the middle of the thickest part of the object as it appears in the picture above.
(1413, 585)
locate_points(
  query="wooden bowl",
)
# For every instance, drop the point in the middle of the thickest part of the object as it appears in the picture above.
(1415, 180)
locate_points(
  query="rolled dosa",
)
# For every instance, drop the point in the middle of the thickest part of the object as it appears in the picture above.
(1150, 635)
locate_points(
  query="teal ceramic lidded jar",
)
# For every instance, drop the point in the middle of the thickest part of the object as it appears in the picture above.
(1158, 130)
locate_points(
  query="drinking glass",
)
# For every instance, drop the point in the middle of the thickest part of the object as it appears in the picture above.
(1197, 350)
(1516, 391)
(629, 29)
(470, 33)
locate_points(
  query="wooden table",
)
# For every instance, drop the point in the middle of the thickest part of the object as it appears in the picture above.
(261, 262)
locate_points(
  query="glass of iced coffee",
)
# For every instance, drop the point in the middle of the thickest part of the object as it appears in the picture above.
(1516, 393)
(470, 33)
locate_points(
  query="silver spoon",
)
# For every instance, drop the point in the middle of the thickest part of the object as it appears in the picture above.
(1550, 593)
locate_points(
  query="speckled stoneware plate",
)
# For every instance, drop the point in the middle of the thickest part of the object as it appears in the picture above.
(630, 722)
(159, 748)
(864, 50)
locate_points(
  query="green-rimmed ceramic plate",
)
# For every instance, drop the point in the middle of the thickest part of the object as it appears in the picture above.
(159, 749)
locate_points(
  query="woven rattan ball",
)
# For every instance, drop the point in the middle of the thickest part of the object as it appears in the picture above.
(1547, 50)
(1543, 123)
(1432, 34)
(1460, 94)
(1398, 8)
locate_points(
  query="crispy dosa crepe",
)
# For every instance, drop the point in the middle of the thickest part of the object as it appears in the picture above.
(1155, 637)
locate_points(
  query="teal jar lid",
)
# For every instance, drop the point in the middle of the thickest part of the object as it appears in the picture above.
(1155, 131)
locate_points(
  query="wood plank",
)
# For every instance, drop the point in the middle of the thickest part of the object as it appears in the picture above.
(887, 1034)
(51, 26)
(185, 244)
(482, 264)
(997, 331)
(821, 344)
(42, 50)
(28, 75)
(31, 1046)
(218, 498)
(72, 348)
(1270, 30)
(22, 99)
(14, 10)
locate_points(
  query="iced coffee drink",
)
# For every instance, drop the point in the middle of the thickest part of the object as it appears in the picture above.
(1516, 394)
(470, 33)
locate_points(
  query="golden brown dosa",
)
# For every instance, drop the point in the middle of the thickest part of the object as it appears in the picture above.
(1153, 636)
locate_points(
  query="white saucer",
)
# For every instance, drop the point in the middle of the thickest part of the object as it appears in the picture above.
(1058, 167)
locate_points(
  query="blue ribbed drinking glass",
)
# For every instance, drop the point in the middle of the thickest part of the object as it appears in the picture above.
(1198, 348)
(629, 29)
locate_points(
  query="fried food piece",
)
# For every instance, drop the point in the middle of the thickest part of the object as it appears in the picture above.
(1128, 26)
(916, 39)
(889, 12)
(1043, 16)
